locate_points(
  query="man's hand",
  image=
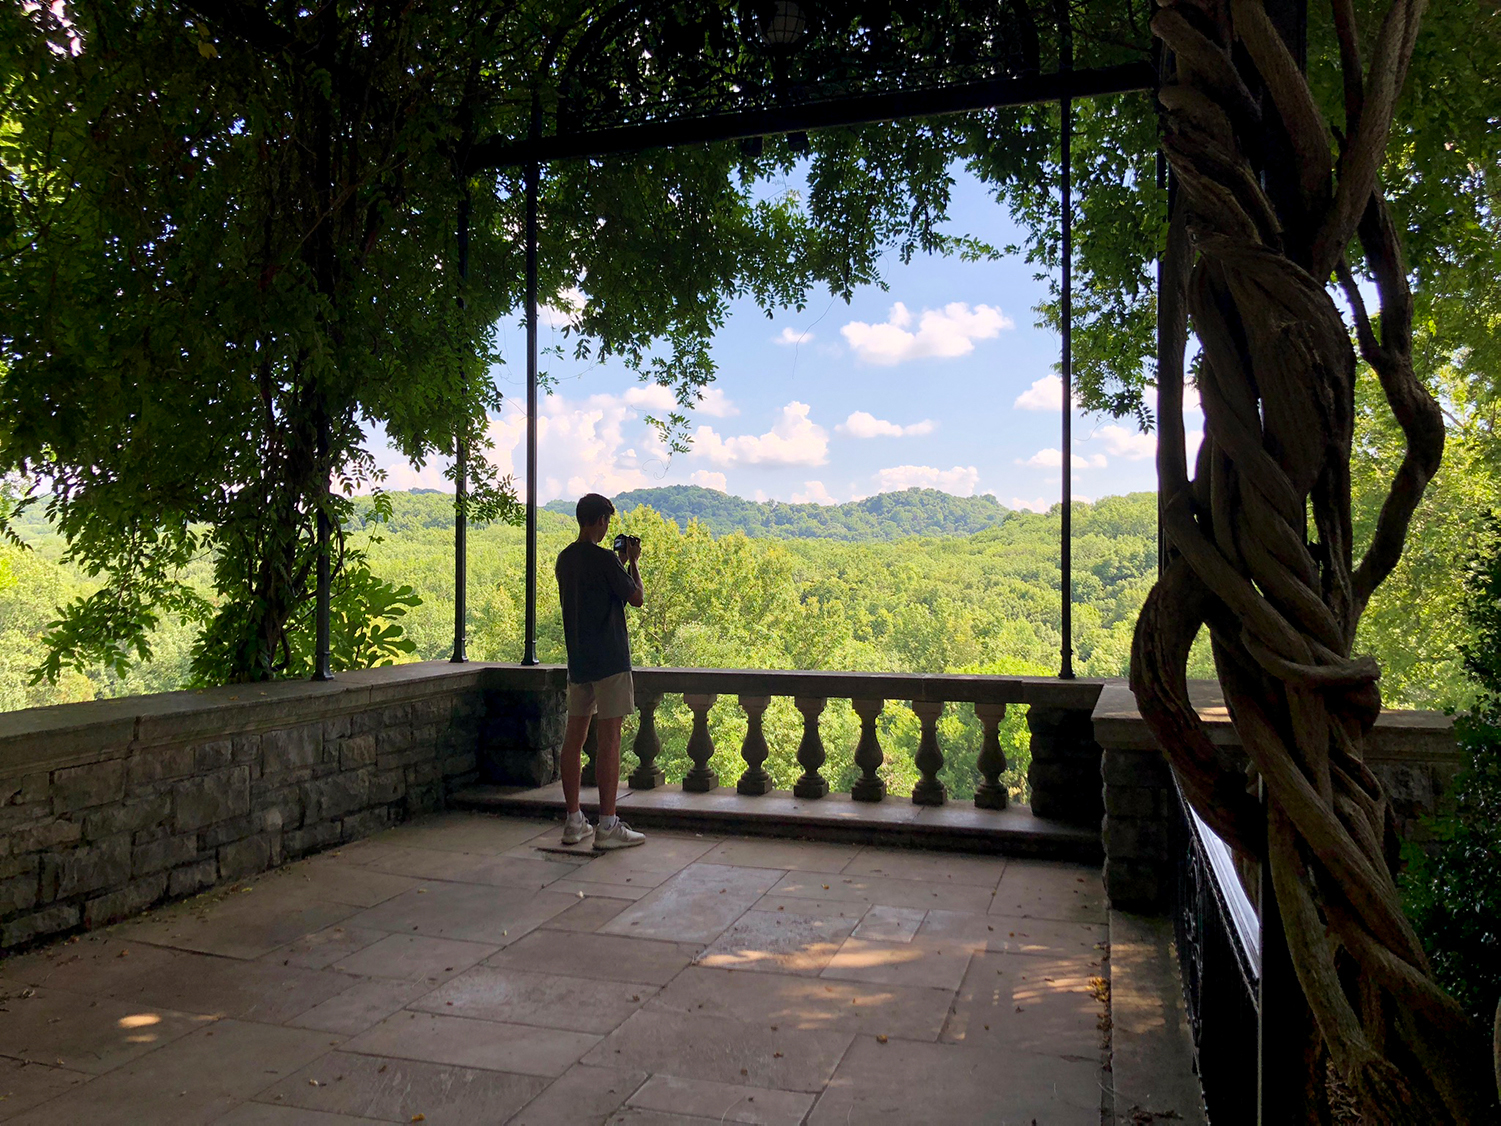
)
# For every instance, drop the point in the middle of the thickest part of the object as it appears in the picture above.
(632, 550)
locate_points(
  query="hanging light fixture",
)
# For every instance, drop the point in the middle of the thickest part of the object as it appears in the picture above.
(784, 23)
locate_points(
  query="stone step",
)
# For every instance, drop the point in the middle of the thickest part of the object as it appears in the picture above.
(896, 822)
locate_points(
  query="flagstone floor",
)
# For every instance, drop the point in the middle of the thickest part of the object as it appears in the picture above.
(467, 969)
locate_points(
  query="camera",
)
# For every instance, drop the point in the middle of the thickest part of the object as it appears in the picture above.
(623, 543)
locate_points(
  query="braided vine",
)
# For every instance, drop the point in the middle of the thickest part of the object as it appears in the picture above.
(1271, 200)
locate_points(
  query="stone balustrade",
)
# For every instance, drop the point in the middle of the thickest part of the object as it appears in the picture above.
(1066, 702)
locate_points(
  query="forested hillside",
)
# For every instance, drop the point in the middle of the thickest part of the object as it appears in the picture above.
(776, 593)
(887, 516)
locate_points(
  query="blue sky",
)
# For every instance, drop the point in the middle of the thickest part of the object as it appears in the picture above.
(941, 381)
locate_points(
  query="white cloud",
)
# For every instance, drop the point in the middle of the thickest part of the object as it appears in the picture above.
(1041, 504)
(947, 332)
(761, 496)
(813, 493)
(1045, 394)
(400, 476)
(959, 481)
(716, 404)
(566, 313)
(1053, 459)
(862, 424)
(791, 337)
(652, 396)
(793, 440)
(709, 480)
(1129, 444)
(597, 444)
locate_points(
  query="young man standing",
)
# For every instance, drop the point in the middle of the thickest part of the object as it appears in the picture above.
(594, 585)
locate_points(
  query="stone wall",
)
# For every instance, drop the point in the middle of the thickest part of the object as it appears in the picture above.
(1065, 773)
(1412, 753)
(526, 712)
(111, 806)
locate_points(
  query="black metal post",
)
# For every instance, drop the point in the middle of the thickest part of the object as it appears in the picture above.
(321, 670)
(1163, 182)
(461, 471)
(1066, 317)
(529, 652)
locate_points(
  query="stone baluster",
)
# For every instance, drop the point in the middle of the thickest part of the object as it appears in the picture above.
(991, 792)
(647, 775)
(700, 778)
(929, 759)
(591, 752)
(755, 780)
(868, 756)
(810, 752)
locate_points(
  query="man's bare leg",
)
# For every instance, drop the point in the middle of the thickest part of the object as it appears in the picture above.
(572, 764)
(607, 764)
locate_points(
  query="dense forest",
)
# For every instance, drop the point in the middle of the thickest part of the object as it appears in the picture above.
(911, 581)
(886, 516)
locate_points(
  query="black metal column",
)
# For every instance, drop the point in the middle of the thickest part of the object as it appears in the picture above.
(321, 670)
(1066, 318)
(529, 652)
(461, 471)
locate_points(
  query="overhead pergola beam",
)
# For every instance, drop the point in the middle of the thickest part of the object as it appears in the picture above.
(862, 109)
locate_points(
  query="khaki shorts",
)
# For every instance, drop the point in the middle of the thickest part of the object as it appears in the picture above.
(611, 698)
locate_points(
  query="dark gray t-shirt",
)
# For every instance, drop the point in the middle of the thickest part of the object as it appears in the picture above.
(593, 588)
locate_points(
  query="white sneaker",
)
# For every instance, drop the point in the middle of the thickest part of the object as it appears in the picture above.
(619, 835)
(574, 832)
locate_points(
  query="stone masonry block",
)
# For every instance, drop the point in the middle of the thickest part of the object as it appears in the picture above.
(310, 838)
(1130, 839)
(386, 786)
(127, 817)
(90, 868)
(129, 900)
(365, 824)
(356, 751)
(287, 801)
(336, 795)
(247, 748)
(1135, 801)
(158, 764)
(191, 878)
(1146, 769)
(214, 756)
(458, 764)
(29, 789)
(46, 834)
(18, 893)
(427, 798)
(213, 797)
(393, 740)
(1137, 887)
(335, 729)
(244, 858)
(235, 829)
(294, 747)
(159, 855)
(78, 787)
(38, 924)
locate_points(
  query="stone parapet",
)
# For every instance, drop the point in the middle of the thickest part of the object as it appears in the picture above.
(108, 807)
(1413, 754)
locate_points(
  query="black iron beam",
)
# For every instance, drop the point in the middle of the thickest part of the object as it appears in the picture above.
(863, 109)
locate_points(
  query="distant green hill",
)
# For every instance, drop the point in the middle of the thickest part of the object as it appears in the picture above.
(888, 516)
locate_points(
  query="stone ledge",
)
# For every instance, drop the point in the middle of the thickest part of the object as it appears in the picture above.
(1151, 1049)
(1013, 831)
(64, 735)
(1399, 735)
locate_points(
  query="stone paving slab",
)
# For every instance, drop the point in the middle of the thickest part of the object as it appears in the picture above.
(467, 968)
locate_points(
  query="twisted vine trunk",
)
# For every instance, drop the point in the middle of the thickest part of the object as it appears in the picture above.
(1261, 536)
